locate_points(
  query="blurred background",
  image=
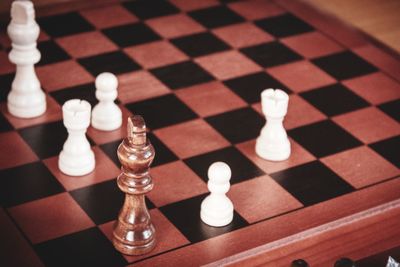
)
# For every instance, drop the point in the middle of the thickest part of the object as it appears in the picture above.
(377, 18)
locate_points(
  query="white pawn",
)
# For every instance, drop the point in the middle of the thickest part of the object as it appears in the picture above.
(217, 208)
(77, 157)
(106, 115)
(273, 143)
(26, 99)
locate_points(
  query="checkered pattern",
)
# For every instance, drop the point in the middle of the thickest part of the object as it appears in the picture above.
(194, 70)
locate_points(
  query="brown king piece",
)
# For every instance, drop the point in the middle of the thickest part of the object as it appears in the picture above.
(134, 233)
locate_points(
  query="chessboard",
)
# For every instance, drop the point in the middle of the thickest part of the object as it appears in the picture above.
(195, 70)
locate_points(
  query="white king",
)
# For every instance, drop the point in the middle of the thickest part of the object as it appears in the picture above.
(273, 143)
(26, 99)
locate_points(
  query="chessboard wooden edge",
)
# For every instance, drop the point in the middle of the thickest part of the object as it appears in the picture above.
(347, 35)
(353, 236)
(337, 21)
(279, 227)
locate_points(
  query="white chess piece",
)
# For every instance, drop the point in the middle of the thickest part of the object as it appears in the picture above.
(77, 157)
(26, 99)
(217, 208)
(273, 143)
(106, 115)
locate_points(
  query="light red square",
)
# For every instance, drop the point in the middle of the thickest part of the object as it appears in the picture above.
(256, 9)
(300, 112)
(6, 66)
(168, 237)
(86, 44)
(50, 217)
(210, 98)
(297, 157)
(361, 166)
(43, 36)
(203, 138)
(312, 44)
(102, 137)
(62, 75)
(261, 198)
(368, 124)
(188, 5)
(14, 150)
(174, 182)
(52, 113)
(226, 65)
(104, 170)
(108, 16)
(242, 35)
(376, 88)
(155, 54)
(139, 85)
(175, 25)
(301, 76)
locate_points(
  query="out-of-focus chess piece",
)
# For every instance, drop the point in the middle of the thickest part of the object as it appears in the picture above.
(392, 263)
(106, 115)
(26, 98)
(299, 263)
(345, 262)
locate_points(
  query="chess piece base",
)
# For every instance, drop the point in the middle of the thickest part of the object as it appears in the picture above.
(133, 248)
(273, 152)
(216, 218)
(32, 109)
(133, 234)
(104, 122)
(109, 126)
(220, 222)
(76, 166)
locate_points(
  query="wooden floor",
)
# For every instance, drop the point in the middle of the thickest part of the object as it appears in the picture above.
(378, 18)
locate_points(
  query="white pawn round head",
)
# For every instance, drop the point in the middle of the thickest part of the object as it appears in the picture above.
(219, 172)
(106, 81)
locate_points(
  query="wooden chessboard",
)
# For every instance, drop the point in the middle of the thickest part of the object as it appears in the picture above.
(194, 70)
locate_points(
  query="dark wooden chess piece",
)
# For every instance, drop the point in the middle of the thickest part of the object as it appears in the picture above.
(134, 233)
(299, 263)
(344, 262)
